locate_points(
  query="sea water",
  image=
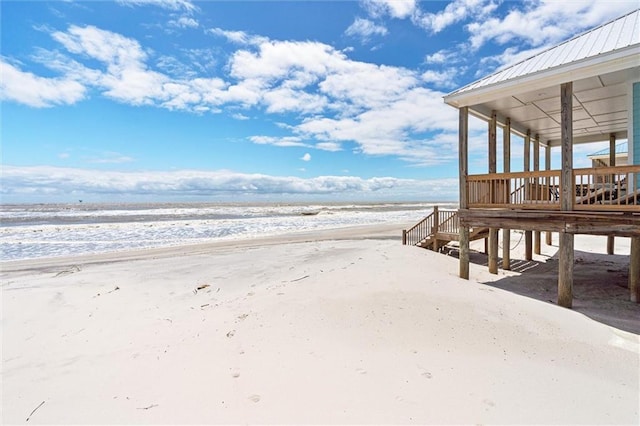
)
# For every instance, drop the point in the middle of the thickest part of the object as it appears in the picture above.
(48, 230)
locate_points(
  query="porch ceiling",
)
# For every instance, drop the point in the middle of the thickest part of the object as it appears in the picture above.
(600, 107)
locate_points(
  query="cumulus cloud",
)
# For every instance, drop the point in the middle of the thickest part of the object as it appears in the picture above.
(47, 182)
(30, 89)
(545, 22)
(306, 157)
(365, 29)
(453, 13)
(395, 8)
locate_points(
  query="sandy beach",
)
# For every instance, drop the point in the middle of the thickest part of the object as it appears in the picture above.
(328, 327)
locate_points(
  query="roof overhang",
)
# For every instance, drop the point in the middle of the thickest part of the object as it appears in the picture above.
(532, 102)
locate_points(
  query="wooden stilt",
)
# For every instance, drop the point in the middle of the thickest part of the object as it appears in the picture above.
(536, 167)
(493, 232)
(565, 270)
(634, 270)
(464, 252)
(506, 249)
(547, 166)
(493, 250)
(528, 236)
(527, 193)
(612, 163)
(506, 165)
(463, 142)
(567, 196)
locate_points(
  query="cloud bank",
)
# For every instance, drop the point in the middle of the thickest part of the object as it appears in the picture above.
(57, 183)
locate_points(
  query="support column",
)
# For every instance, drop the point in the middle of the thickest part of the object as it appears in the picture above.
(463, 143)
(567, 195)
(547, 166)
(527, 192)
(536, 167)
(634, 270)
(493, 232)
(506, 165)
(612, 163)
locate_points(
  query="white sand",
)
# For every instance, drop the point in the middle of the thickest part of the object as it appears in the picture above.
(316, 330)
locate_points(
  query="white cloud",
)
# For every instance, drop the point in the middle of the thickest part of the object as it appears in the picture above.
(29, 89)
(443, 56)
(306, 157)
(365, 29)
(444, 79)
(238, 37)
(382, 110)
(185, 5)
(454, 12)
(239, 116)
(184, 22)
(44, 182)
(286, 141)
(395, 8)
(546, 22)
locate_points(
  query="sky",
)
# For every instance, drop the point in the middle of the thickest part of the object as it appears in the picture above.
(180, 100)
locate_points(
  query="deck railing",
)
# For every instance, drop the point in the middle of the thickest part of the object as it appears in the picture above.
(443, 221)
(600, 188)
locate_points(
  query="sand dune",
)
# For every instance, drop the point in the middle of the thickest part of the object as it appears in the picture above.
(303, 329)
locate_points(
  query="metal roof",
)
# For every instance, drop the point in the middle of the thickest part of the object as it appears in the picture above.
(617, 34)
(601, 63)
(621, 148)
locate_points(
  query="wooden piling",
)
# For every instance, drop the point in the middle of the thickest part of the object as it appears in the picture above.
(463, 139)
(506, 164)
(565, 267)
(565, 270)
(634, 270)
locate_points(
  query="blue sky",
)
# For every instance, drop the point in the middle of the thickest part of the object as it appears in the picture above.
(142, 100)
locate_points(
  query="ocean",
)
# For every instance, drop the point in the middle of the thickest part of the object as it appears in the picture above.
(51, 230)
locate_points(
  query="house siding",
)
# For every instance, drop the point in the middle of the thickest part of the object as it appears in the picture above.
(636, 128)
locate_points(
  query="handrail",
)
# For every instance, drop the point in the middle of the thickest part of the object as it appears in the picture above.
(438, 221)
(418, 232)
(596, 188)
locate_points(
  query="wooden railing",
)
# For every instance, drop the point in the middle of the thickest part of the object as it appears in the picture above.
(607, 188)
(443, 221)
(600, 188)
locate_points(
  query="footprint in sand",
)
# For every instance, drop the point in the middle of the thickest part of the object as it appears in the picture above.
(361, 371)
(254, 398)
(426, 374)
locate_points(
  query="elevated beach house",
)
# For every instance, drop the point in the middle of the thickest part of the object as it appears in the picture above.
(584, 90)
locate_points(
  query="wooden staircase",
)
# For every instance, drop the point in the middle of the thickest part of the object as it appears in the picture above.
(439, 229)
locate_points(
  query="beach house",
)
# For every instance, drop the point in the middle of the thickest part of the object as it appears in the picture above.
(584, 90)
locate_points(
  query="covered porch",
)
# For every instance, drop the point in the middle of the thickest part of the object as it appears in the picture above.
(584, 90)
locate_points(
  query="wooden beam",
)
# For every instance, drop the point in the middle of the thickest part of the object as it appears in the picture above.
(565, 266)
(634, 270)
(621, 225)
(536, 167)
(506, 165)
(463, 171)
(612, 163)
(493, 232)
(528, 255)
